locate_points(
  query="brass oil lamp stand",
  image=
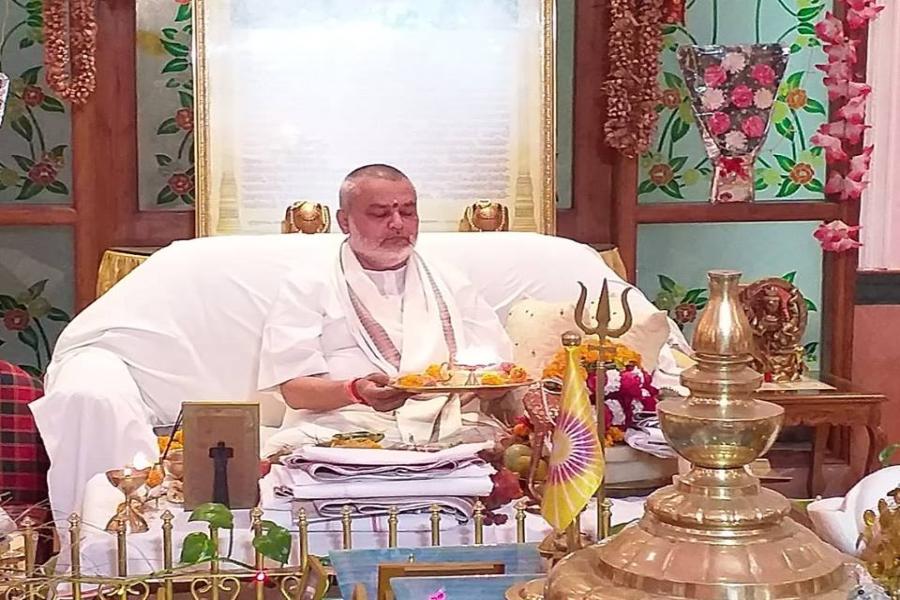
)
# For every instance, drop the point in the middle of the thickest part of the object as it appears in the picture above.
(715, 534)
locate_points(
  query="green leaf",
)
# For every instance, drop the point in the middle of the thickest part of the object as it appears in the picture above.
(617, 528)
(806, 29)
(187, 198)
(810, 305)
(667, 283)
(815, 107)
(677, 162)
(785, 162)
(34, 6)
(217, 515)
(29, 189)
(24, 162)
(273, 542)
(187, 100)
(172, 83)
(669, 29)
(672, 189)
(692, 295)
(166, 195)
(175, 49)
(809, 13)
(7, 302)
(167, 126)
(646, 187)
(795, 48)
(184, 12)
(57, 314)
(176, 65)
(813, 43)
(58, 187)
(815, 186)
(25, 43)
(785, 128)
(816, 150)
(36, 289)
(760, 184)
(51, 104)
(28, 337)
(188, 29)
(794, 80)
(169, 32)
(197, 547)
(33, 371)
(672, 80)
(885, 456)
(36, 21)
(22, 126)
(58, 151)
(30, 76)
(679, 130)
(789, 277)
(163, 160)
(188, 85)
(787, 188)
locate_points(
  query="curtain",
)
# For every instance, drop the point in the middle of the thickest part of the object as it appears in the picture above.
(880, 209)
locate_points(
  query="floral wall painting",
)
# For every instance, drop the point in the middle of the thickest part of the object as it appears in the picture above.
(790, 165)
(36, 294)
(35, 131)
(165, 105)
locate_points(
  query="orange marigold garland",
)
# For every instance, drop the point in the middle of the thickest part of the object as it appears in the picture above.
(632, 89)
(70, 48)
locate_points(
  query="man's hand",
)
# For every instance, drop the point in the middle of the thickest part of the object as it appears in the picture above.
(376, 393)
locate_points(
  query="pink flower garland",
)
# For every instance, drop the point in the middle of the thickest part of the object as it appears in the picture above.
(847, 178)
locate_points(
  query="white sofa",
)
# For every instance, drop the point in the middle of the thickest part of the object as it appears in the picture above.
(195, 310)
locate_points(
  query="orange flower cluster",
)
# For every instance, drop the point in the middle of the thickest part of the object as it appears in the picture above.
(177, 442)
(589, 354)
(614, 435)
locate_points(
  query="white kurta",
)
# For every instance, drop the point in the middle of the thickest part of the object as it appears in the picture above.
(308, 333)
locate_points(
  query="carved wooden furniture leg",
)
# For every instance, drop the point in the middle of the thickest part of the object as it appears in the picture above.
(815, 482)
(877, 441)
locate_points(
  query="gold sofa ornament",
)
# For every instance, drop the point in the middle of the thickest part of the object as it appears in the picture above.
(778, 315)
(485, 215)
(306, 217)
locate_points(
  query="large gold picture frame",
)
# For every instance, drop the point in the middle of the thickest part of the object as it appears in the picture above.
(219, 210)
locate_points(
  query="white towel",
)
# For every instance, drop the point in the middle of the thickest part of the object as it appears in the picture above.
(373, 457)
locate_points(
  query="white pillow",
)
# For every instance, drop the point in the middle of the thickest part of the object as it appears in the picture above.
(535, 328)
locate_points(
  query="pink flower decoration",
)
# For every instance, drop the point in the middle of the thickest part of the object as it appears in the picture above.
(844, 187)
(837, 70)
(860, 12)
(763, 74)
(834, 149)
(742, 96)
(830, 29)
(845, 51)
(718, 123)
(848, 132)
(714, 76)
(438, 595)
(854, 111)
(835, 236)
(846, 89)
(859, 164)
(753, 126)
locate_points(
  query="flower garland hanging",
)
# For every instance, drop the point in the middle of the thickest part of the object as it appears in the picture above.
(70, 49)
(848, 161)
(632, 87)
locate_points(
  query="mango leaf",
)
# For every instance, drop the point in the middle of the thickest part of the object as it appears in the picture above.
(679, 130)
(217, 515)
(760, 184)
(787, 188)
(58, 187)
(175, 49)
(167, 126)
(29, 189)
(28, 337)
(30, 76)
(885, 456)
(809, 13)
(176, 65)
(785, 128)
(273, 542)
(795, 48)
(165, 196)
(806, 29)
(810, 305)
(793, 82)
(51, 104)
(646, 187)
(7, 302)
(692, 295)
(57, 314)
(197, 547)
(784, 162)
(815, 107)
(184, 12)
(789, 277)
(677, 162)
(169, 32)
(672, 189)
(815, 186)
(667, 283)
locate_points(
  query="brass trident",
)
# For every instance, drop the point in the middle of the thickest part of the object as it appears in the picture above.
(602, 330)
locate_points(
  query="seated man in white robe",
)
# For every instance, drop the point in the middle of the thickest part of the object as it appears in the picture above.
(333, 340)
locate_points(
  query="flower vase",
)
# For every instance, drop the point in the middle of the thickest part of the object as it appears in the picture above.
(732, 90)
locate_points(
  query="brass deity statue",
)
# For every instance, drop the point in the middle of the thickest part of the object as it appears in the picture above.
(485, 215)
(306, 217)
(777, 314)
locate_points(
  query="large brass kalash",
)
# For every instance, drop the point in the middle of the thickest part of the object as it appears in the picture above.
(715, 534)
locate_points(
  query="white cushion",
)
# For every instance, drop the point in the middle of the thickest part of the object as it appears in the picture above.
(188, 322)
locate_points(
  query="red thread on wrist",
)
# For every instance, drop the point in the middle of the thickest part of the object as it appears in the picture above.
(354, 394)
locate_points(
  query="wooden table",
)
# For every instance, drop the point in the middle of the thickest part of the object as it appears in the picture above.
(846, 405)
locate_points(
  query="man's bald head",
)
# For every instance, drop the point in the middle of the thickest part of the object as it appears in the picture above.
(378, 212)
(353, 181)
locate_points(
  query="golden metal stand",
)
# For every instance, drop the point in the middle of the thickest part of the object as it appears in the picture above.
(715, 534)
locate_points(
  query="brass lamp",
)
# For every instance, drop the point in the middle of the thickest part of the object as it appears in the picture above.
(306, 217)
(485, 215)
(715, 534)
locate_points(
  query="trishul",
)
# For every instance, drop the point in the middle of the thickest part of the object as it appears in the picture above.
(602, 330)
